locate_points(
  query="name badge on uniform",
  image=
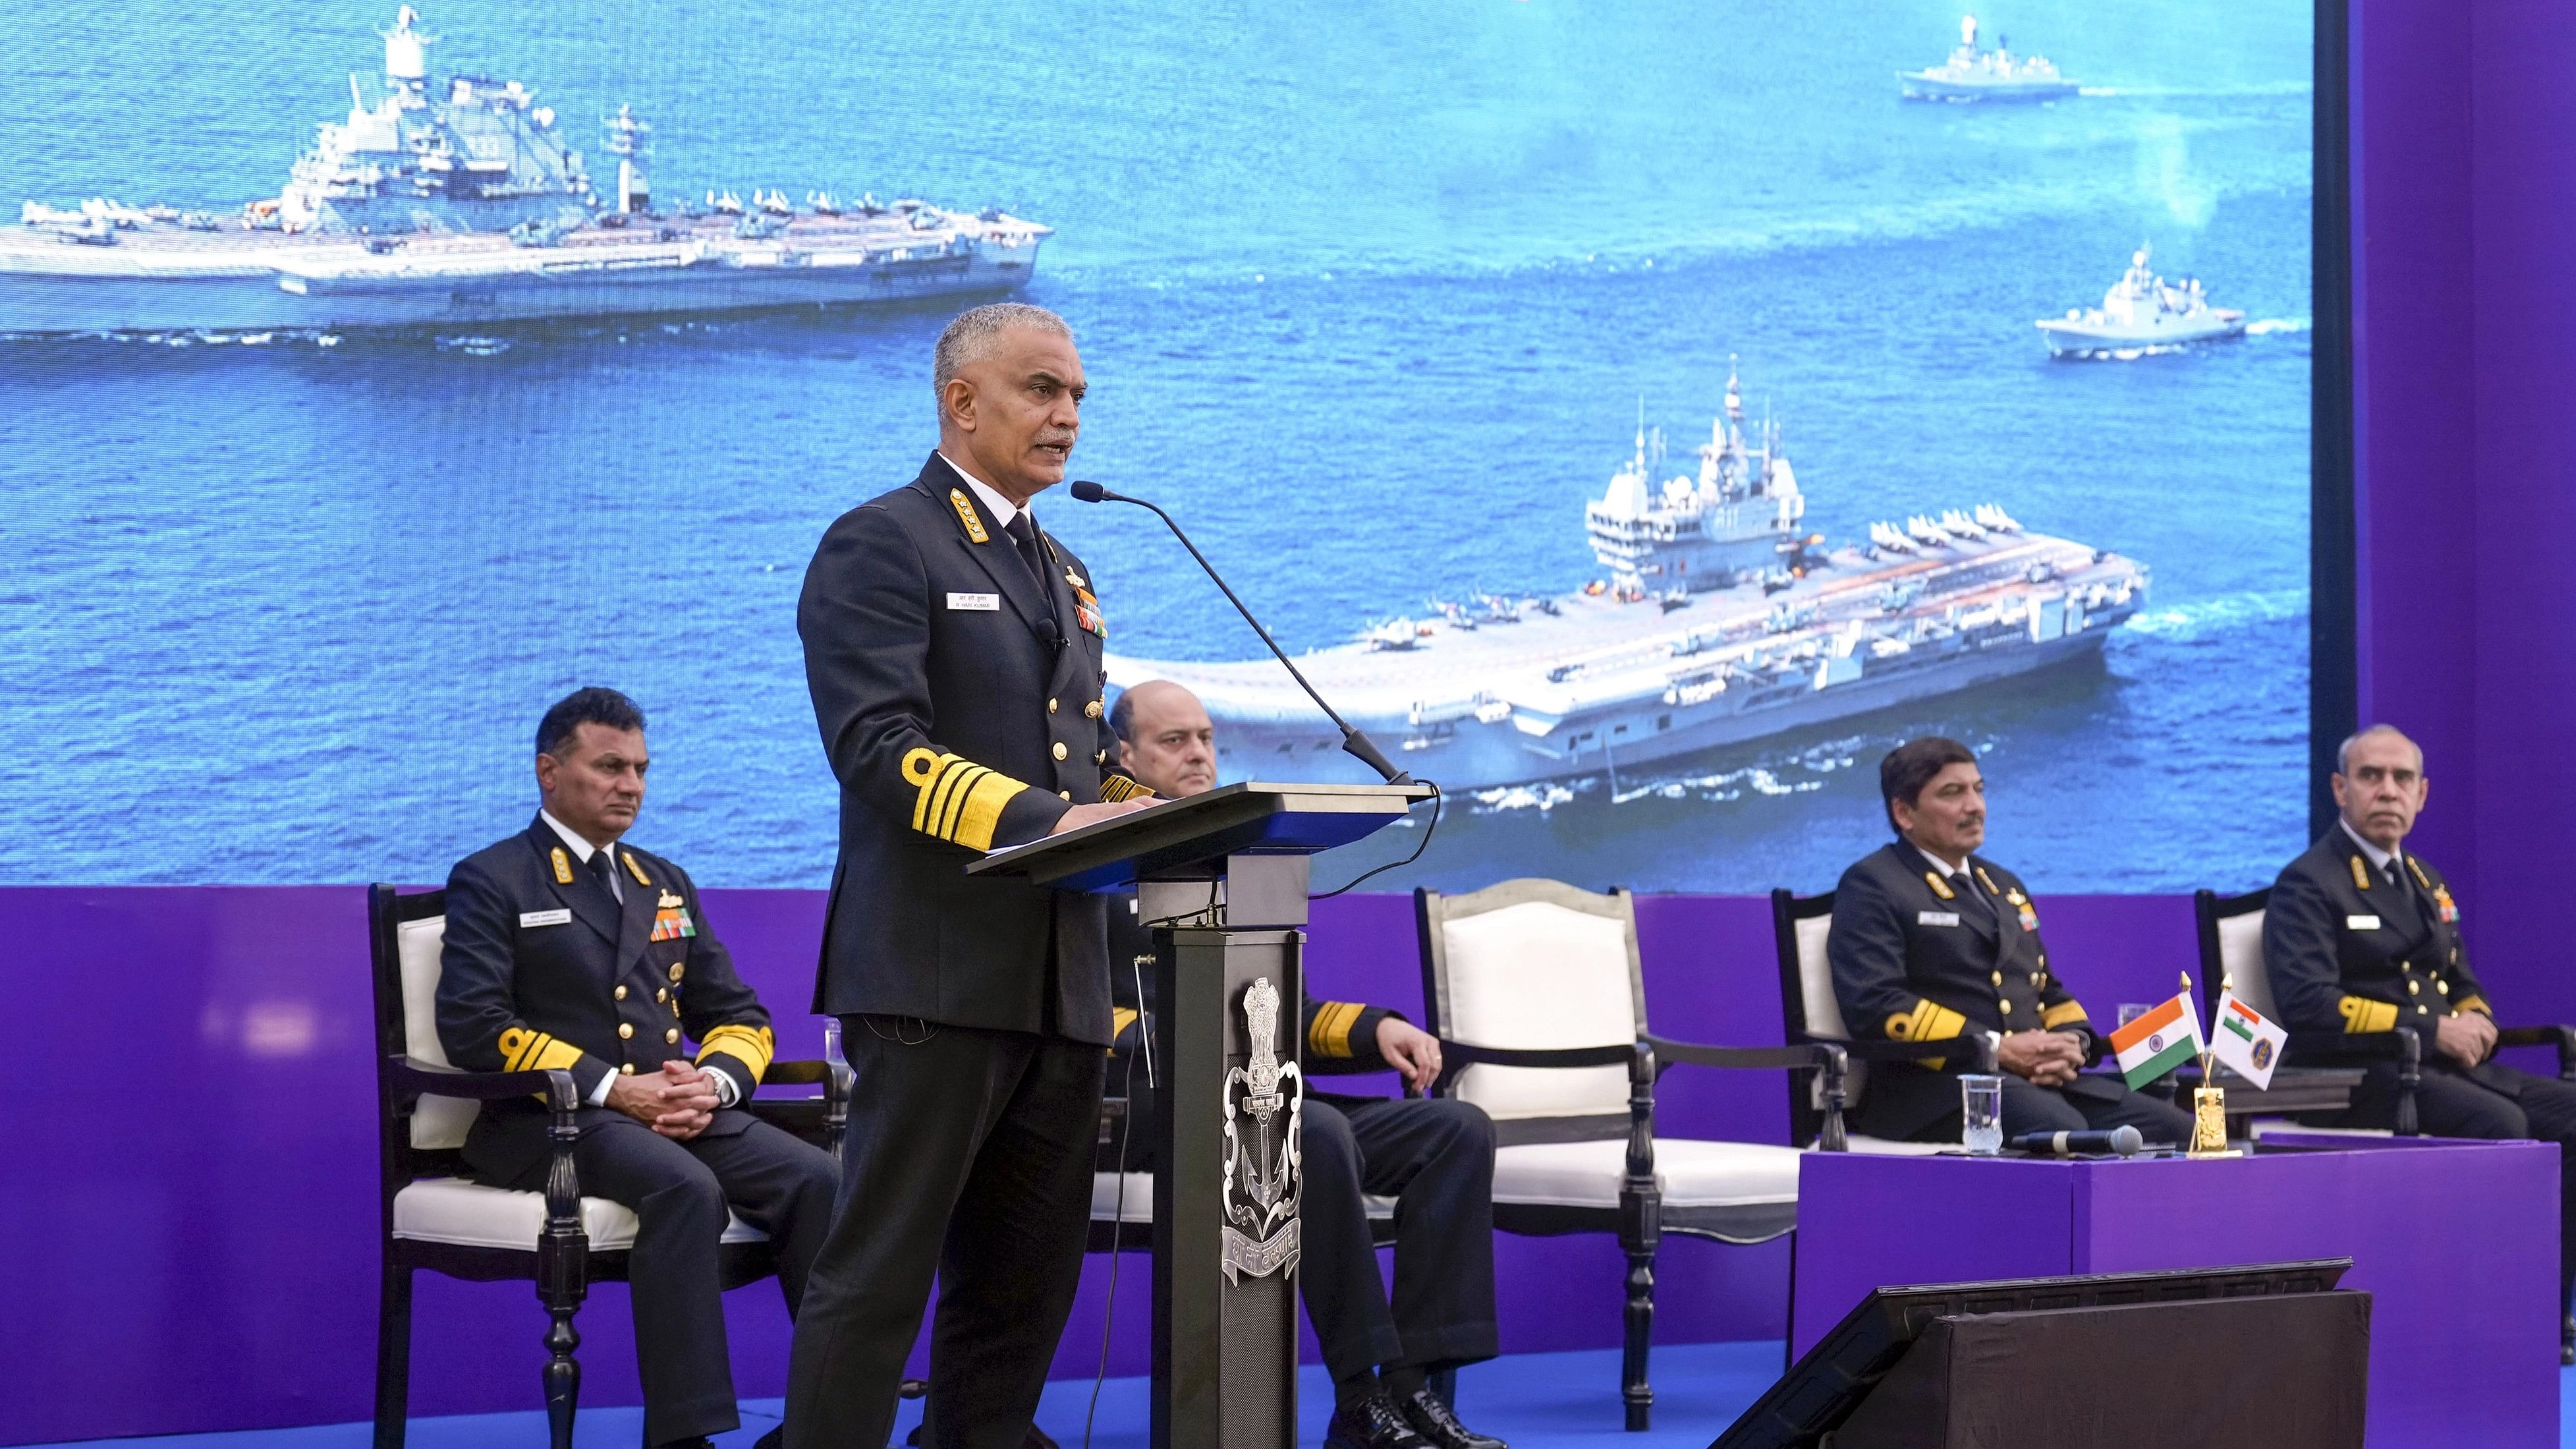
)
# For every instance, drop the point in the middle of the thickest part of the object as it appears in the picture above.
(2361, 923)
(558, 917)
(1936, 918)
(976, 603)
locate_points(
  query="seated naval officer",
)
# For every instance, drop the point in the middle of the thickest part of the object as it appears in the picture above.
(1931, 940)
(2361, 935)
(566, 948)
(1435, 1157)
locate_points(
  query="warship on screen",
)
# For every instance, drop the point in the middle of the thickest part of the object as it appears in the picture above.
(1972, 74)
(464, 204)
(1722, 620)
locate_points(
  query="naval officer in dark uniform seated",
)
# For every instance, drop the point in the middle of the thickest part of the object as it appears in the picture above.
(2360, 935)
(952, 648)
(1434, 1157)
(1931, 940)
(567, 948)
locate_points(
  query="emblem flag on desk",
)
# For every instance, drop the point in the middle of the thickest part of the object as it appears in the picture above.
(2244, 1041)
(2157, 1042)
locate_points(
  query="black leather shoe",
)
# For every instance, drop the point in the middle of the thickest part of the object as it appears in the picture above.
(1440, 1428)
(1372, 1423)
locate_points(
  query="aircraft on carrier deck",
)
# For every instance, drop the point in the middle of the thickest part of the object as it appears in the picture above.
(463, 204)
(1721, 620)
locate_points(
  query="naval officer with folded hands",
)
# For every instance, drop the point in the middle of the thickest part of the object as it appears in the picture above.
(568, 948)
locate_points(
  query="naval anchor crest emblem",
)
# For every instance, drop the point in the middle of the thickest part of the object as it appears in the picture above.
(1262, 1171)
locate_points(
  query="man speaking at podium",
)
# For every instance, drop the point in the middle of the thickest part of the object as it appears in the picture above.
(953, 652)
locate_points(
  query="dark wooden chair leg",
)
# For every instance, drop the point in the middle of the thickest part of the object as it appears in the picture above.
(563, 1267)
(393, 1355)
(1641, 1220)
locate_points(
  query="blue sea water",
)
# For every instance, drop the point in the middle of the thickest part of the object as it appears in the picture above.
(1370, 295)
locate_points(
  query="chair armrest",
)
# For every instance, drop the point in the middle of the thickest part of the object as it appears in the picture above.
(409, 1074)
(1918, 1051)
(1829, 1058)
(1457, 1056)
(806, 1071)
(2561, 1037)
(2323, 1048)
(1670, 1053)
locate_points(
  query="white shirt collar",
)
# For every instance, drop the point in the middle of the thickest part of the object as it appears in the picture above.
(1002, 509)
(582, 850)
(1947, 868)
(2379, 858)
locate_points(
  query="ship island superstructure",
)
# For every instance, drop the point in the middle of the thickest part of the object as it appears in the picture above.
(1972, 73)
(449, 205)
(1721, 621)
(2141, 313)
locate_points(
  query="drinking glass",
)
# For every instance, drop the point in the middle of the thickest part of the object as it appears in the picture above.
(1981, 1104)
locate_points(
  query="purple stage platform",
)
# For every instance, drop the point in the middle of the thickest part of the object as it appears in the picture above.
(2445, 1316)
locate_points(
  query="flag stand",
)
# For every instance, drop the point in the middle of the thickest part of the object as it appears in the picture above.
(2208, 1102)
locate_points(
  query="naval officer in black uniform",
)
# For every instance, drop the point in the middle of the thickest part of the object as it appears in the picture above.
(567, 948)
(1435, 1157)
(1931, 941)
(2361, 935)
(952, 648)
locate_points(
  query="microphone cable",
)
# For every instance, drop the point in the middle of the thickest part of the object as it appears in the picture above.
(1419, 846)
(1118, 1213)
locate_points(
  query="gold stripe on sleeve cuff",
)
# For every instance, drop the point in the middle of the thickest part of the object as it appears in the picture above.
(1928, 1021)
(1329, 1034)
(958, 800)
(2473, 1003)
(1114, 788)
(2361, 1014)
(2062, 1014)
(1120, 1018)
(753, 1046)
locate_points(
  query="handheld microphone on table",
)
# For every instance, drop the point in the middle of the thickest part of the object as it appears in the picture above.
(2118, 1142)
(1354, 743)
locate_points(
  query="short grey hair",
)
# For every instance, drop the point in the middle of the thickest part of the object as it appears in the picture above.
(2343, 752)
(970, 336)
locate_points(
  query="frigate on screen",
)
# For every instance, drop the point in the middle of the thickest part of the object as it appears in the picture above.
(440, 206)
(1722, 620)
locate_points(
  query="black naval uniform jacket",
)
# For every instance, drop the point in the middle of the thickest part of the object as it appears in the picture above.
(1916, 959)
(961, 708)
(542, 968)
(1335, 1037)
(2347, 951)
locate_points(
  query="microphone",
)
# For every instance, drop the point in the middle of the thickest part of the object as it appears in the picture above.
(1354, 743)
(2118, 1142)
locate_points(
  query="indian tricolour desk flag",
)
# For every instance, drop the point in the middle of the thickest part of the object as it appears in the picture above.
(2240, 1037)
(2156, 1043)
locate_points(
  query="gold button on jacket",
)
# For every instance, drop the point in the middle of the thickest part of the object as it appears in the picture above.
(621, 993)
(672, 1035)
(625, 1029)
(1059, 749)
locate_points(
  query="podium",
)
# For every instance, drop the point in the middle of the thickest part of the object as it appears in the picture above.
(1222, 880)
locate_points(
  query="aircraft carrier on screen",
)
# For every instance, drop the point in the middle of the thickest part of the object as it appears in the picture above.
(460, 204)
(1722, 620)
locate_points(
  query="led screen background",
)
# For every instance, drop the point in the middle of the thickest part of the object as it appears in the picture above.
(1372, 297)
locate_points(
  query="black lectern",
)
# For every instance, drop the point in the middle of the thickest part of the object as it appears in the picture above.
(1221, 879)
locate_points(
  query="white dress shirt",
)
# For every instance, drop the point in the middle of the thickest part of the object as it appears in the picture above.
(582, 850)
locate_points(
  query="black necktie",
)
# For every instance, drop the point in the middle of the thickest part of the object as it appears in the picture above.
(1024, 534)
(601, 867)
(1968, 889)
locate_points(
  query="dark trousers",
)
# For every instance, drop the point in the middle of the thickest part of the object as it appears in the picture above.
(2449, 1102)
(968, 1156)
(1436, 1159)
(679, 1192)
(2028, 1107)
